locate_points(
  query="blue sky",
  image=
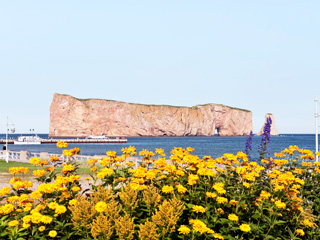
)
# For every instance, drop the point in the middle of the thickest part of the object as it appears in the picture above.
(263, 56)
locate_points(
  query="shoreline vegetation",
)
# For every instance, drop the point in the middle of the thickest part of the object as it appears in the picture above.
(229, 197)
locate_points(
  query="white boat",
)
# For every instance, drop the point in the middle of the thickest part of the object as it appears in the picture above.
(27, 140)
(97, 137)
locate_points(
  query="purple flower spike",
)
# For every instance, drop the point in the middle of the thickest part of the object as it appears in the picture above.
(249, 145)
(265, 138)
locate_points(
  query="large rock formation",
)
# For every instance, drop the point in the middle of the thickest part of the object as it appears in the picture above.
(273, 130)
(70, 116)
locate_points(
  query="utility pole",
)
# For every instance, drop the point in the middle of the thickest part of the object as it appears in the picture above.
(316, 115)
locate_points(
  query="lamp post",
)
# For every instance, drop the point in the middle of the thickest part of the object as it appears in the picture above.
(7, 153)
(316, 115)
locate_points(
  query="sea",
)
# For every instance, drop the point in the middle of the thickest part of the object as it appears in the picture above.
(214, 146)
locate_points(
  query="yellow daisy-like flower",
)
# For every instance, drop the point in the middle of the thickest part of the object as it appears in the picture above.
(75, 189)
(220, 210)
(60, 209)
(280, 204)
(52, 233)
(5, 190)
(92, 161)
(233, 217)
(93, 169)
(72, 202)
(101, 206)
(13, 223)
(233, 202)
(198, 209)
(39, 173)
(53, 205)
(211, 194)
(68, 168)
(221, 200)
(42, 228)
(36, 195)
(245, 227)
(184, 229)
(62, 144)
(181, 189)
(218, 236)
(300, 232)
(264, 194)
(167, 189)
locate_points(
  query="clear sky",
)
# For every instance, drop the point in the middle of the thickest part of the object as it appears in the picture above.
(263, 56)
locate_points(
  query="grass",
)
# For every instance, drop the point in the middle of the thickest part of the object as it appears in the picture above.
(4, 168)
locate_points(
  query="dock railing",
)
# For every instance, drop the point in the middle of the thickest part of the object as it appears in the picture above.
(24, 156)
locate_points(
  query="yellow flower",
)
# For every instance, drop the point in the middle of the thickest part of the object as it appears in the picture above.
(233, 202)
(101, 206)
(53, 205)
(192, 179)
(167, 189)
(308, 223)
(190, 149)
(92, 161)
(280, 204)
(13, 223)
(218, 236)
(4, 191)
(72, 202)
(62, 144)
(36, 195)
(7, 208)
(75, 189)
(211, 194)
(181, 189)
(46, 219)
(39, 173)
(220, 210)
(264, 194)
(34, 161)
(221, 200)
(219, 188)
(198, 209)
(53, 159)
(184, 229)
(42, 228)
(233, 217)
(60, 209)
(101, 175)
(300, 232)
(200, 226)
(68, 168)
(107, 171)
(245, 228)
(93, 169)
(52, 233)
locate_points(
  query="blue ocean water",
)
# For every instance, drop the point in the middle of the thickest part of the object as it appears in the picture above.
(204, 146)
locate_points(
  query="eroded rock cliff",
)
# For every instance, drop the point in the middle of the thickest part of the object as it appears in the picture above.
(70, 116)
(273, 130)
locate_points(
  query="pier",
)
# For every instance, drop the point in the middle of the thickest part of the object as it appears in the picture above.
(74, 140)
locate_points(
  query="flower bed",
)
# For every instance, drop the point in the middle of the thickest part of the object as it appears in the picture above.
(186, 197)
